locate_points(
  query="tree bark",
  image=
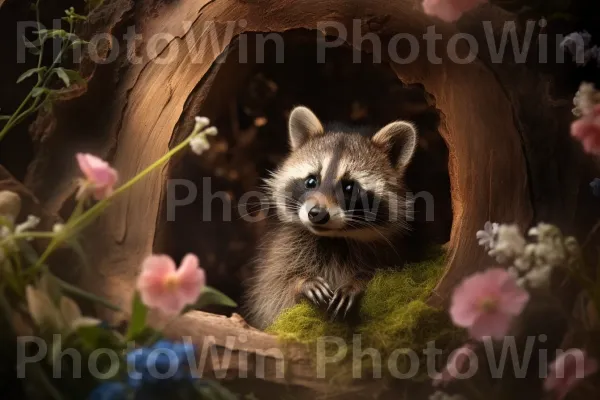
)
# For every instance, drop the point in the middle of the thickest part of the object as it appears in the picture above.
(507, 136)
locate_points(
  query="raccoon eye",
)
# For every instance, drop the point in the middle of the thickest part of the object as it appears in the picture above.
(311, 182)
(348, 187)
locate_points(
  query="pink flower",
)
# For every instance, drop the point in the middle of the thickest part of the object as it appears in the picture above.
(167, 288)
(100, 178)
(567, 370)
(449, 10)
(455, 365)
(587, 131)
(485, 303)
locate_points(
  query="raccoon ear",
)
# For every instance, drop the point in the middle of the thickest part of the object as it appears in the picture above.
(399, 139)
(302, 125)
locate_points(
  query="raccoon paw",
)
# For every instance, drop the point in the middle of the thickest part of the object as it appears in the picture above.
(317, 290)
(344, 300)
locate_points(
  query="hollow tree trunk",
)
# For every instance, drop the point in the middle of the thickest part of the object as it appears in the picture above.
(506, 134)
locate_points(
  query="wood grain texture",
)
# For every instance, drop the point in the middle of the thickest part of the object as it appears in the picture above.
(134, 112)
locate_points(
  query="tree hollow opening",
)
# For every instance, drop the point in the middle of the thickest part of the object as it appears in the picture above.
(248, 95)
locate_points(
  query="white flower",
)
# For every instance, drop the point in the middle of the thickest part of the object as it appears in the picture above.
(539, 277)
(585, 99)
(57, 228)
(487, 236)
(201, 123)
(548, 254)
(551, 246)
(527, 260)
(212, 131)
(31, 222)
(510, 244)
(199, 144)
(545, 232)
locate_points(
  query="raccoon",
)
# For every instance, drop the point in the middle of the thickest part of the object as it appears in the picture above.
(341, 207)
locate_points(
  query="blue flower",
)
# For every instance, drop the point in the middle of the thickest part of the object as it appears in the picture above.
(595, 185)
(162, 362)
(109, 391)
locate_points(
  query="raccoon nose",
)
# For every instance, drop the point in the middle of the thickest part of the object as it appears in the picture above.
(318, 215)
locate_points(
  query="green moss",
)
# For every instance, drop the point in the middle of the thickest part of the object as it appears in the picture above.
(393, 314)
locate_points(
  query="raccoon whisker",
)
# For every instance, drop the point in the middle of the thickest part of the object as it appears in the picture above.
(261, 203)
(279, 196)
(267, 216)
(366, 220)
(256, 207)
(267, 207)
(375, 228)
(362, 210)
(291, 201)
(257, 210)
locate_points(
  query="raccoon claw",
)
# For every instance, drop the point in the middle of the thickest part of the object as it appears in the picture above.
(317, 290)
(344, 300)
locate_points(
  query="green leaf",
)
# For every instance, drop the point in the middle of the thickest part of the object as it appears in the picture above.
(4, 117)
(68, 76)
(52, 33)
(211, 296)
(72, 16)
(60, 72)
(79, 42)
(137, 323)
(29, 73)
(38, 91)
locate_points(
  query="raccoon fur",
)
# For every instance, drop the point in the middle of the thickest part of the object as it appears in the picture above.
(341, 208)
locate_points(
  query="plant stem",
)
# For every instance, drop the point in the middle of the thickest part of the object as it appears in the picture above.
(75, 291)
(81, 221)
(37, 19)
(27, 235)
(18, 116)
(10, 123)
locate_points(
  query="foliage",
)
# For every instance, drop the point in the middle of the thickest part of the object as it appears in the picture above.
(36, 303)
(53, 81)
(488, 303)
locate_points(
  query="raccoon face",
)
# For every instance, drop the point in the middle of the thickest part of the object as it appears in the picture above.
(343, 184)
